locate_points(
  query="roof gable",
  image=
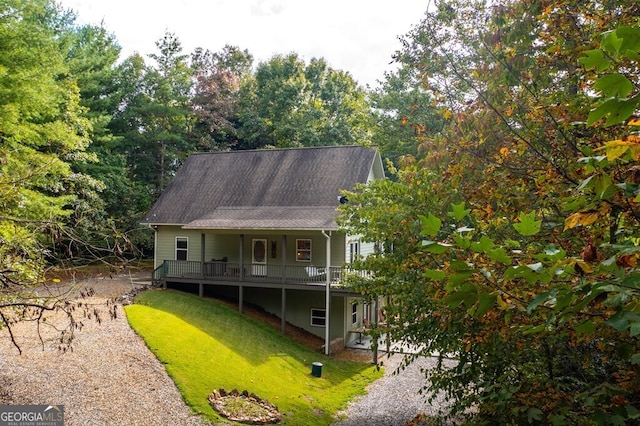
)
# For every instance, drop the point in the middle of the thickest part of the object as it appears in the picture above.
(209, 185)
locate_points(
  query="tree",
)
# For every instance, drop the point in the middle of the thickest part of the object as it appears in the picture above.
(517, 255)
(290, 103)
(155, 119)
(404, 115)
(216, 95)
(100, 221)
(42, 132)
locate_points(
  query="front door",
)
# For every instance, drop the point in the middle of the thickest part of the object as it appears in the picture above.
(259, 257)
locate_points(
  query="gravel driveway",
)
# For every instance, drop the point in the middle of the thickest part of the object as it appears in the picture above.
(109, 378)
(392, 400)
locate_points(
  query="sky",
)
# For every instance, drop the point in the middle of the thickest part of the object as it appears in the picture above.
(358, 36)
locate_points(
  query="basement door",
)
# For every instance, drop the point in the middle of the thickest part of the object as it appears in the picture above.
(259, 257)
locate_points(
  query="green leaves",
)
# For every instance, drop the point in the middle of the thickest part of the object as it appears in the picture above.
(430, 225)
(476, 301)
(458, 211)
(513, 280)
(483, 245)
(625, 321)
(624, 41)
(595, 59)
(616, 111)
(528, 224)
(289, 102)
(615, 87)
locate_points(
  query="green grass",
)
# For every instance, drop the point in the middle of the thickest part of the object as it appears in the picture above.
(207, 345)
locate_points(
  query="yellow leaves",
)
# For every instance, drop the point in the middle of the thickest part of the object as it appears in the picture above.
(581, 218)
(504, 151)
(634, 121)
(508, 111)
(617, 148)
(504, 302)
(446, 113)
(582, 266)
(489, 210)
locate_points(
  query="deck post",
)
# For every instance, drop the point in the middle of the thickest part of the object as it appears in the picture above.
(241, 257)
(284, 258)
(327, 314)
(165, 267)
(374, 345)
(202, 254)
(240, 297)
(283, 315)
(200, 289)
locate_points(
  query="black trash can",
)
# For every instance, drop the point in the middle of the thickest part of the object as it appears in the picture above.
(316, 369)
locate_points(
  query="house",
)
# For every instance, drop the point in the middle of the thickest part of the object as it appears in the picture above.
(259, 226)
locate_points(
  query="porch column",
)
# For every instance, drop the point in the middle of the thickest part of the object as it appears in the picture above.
(283, 314)
(374, 345)
(284, 258)
(241, 257)
(202, 260)
(240, 297)
(327, 315)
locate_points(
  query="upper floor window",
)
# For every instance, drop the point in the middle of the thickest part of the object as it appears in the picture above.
(182, 248)
(354, 251)
(303, 250)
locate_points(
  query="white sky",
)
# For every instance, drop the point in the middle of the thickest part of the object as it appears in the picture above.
(358, 36)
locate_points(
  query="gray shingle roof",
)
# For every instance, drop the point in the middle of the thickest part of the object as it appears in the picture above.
(262, 189)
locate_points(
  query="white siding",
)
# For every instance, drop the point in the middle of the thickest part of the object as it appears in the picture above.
(365, 248)
(377, 169)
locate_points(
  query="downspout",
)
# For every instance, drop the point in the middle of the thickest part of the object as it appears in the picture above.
(327, 338)
(155, 246)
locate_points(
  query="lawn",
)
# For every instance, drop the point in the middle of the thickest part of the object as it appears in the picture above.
(207, 345)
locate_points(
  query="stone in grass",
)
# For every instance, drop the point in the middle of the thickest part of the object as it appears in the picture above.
(244, 407)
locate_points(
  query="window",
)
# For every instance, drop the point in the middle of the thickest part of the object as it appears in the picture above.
(318, 317)
(303, 250)
(182, 248)
(354, 251)
(354, 313)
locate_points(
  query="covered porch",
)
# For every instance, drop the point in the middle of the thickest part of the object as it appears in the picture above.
(221, 271)
(298, 275)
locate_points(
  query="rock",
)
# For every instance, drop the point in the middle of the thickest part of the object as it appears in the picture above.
(129, 298)
(257, 411)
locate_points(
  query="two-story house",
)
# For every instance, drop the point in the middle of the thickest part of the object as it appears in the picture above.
(259, 227)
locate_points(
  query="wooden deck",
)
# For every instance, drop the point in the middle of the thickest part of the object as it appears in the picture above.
(231, 273)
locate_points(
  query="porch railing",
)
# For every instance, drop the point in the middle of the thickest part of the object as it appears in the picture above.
(232, 271)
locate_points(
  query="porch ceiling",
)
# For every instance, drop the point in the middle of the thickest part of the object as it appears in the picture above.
(268, 218)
